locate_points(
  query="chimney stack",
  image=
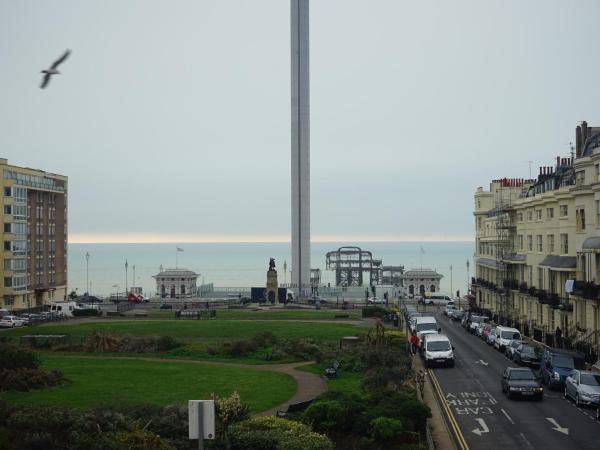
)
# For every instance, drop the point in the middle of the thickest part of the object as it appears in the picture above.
(578, 141)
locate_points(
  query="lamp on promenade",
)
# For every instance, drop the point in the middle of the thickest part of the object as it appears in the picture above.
(126, 265)
(87, 273)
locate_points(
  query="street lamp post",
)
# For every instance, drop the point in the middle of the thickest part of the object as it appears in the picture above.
(87, 273)
(451, 286)
(126, 266)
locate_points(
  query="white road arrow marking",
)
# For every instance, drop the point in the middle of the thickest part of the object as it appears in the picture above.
(557, 427)
(482, 362)
(484, 428)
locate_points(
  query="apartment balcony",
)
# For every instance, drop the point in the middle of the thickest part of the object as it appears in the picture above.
(587, 289)
(511, 284)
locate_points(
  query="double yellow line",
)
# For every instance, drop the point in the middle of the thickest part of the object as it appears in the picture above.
(453, 423)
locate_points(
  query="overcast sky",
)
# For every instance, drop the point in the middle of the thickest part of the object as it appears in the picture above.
(172, 118)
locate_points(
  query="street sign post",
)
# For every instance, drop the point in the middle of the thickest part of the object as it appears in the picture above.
(201, 420)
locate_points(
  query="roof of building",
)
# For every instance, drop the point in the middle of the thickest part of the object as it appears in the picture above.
(176, 273)
(421, 273)
(559, 262)
(591, 243)
(488, 262)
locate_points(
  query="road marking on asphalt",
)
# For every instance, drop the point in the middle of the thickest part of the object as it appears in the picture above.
(527, 443)
(482, 362)
(484, 428)
(557, 427)
(507, 416)
(455, 427)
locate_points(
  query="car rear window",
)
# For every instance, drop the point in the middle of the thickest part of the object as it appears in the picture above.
(426, 326)
(591, 379)
(438, 346)
(510, 335)
(563, 361)
(521, 375)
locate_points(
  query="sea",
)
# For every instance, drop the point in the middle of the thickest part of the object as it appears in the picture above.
(246, 264)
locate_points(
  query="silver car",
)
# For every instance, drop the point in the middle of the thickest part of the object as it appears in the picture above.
(583, 387)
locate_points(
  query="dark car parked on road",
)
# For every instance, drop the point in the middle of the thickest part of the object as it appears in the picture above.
(526, 354)
(521, 381)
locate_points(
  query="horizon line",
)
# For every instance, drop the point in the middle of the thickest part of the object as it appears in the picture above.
(254, 239)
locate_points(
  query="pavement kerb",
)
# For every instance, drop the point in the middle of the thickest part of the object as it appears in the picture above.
(442, 437)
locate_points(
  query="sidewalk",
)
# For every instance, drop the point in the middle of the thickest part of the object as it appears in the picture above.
(437, 424)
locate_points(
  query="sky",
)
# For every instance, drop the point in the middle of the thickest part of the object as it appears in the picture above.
(172, 118)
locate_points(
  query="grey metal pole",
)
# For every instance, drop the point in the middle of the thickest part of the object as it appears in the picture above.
(201, 426)
(87, 273)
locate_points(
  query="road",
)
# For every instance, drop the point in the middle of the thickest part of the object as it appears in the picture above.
(488, 420)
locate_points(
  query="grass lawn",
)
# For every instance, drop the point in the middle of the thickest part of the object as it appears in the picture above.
(101, 380)
(201, 330)
(345, 381)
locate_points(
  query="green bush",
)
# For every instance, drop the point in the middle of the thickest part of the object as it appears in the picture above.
(374, 311)
(326, 415)
(148, 344)
(335, 411)
(276, 433)
(27, 379)
(12, 357)
(102, 341)
(384, 429)
(85, 312)
(140, 440)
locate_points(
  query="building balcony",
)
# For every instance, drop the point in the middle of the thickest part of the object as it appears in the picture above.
(586, 289)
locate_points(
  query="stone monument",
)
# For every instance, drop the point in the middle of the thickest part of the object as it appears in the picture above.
(271, 293)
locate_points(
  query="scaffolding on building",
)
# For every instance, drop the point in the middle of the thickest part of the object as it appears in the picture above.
(505, 237)
(350, 265)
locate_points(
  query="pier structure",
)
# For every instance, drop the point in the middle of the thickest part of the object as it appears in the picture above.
(351, 264)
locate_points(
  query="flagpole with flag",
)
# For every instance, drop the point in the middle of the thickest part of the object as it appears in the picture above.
(177, 250)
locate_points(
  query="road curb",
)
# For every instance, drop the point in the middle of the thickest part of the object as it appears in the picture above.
(440, 432)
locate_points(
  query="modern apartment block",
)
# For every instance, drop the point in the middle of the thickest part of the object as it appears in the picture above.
(34, 232)
(537, 249)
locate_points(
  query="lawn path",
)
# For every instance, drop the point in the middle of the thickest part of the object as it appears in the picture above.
(309, 385)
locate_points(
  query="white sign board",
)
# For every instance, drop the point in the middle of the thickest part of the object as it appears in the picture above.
(208, 418)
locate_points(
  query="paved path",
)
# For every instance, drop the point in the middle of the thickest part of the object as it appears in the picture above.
(309, 385)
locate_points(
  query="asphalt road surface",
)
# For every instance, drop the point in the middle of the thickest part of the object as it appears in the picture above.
(488, 420)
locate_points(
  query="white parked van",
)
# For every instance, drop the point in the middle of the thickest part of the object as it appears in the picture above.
(64, 308)
(437, 350)
(425, 325)
(504, 336)
(435, 298)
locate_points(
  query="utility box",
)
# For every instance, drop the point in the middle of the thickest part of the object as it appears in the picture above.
(201, 414)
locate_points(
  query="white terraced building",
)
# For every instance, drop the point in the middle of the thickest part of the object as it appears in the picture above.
(176, 283)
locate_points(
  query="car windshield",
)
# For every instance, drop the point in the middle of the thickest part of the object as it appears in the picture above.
(510, 335)
(563, 361)
(521, 375)
(515, 344)
(528, 349)
(438, 346)
(426, 326)
(590, 379)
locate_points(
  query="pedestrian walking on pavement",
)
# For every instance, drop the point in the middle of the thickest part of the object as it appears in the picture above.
(414, 343)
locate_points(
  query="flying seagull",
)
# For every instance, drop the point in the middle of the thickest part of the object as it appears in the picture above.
(52, 70)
